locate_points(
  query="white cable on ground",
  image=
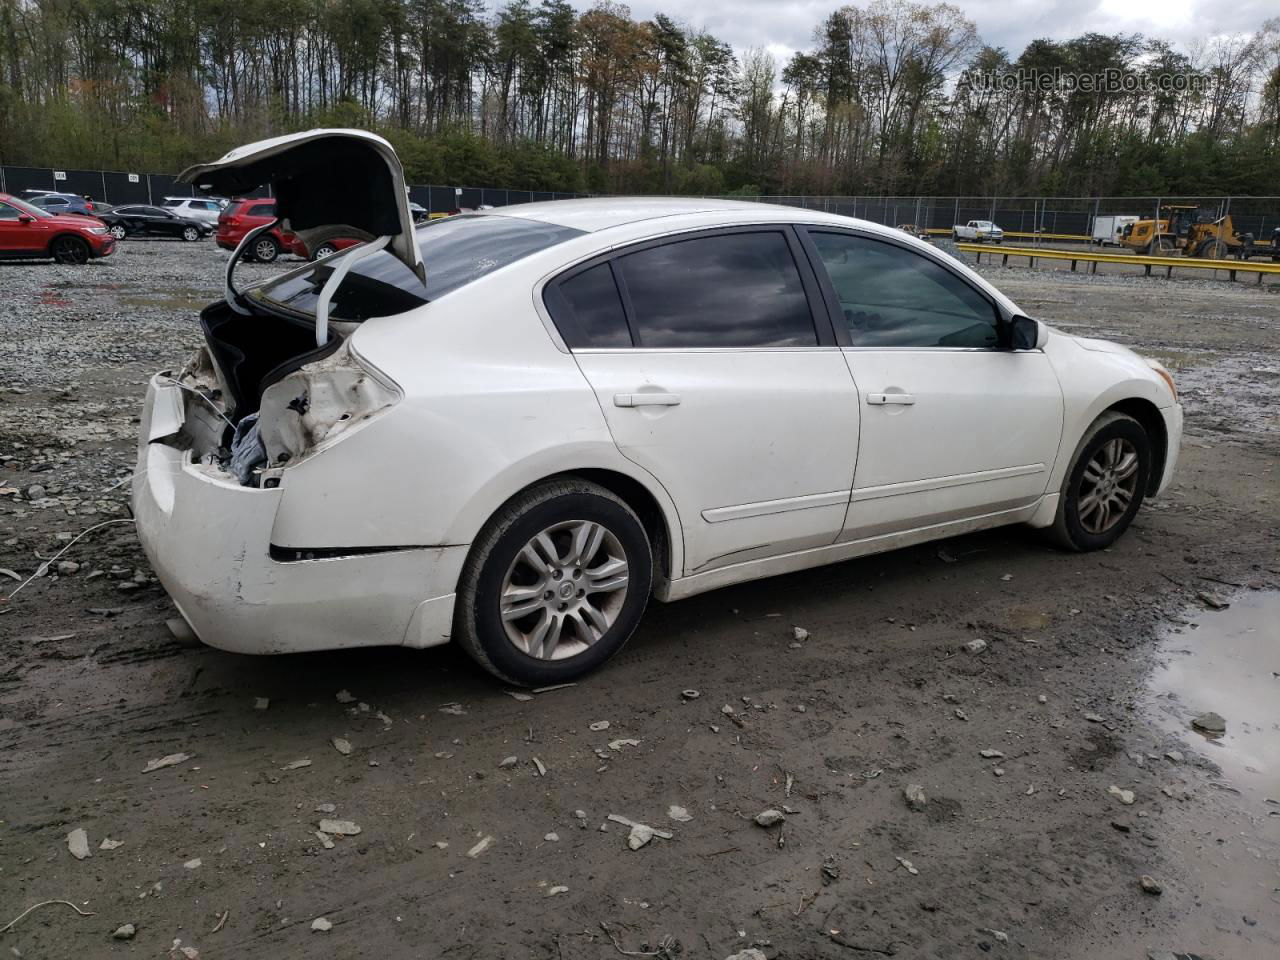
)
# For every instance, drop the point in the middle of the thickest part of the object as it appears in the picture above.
(44, 567)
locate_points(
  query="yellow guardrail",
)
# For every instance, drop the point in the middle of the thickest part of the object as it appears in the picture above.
(1081, 238)
(1135, 259)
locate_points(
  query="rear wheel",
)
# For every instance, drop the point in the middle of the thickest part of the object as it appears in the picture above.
(323, 251)
(70, 250)
(1213, 250)
(266, 249)
(1105, 486)
(190, 233)
(555, 584)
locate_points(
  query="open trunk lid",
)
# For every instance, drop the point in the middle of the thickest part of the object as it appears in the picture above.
(303, 172)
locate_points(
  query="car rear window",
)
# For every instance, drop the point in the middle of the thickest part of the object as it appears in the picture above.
(262, 210)
(456, 252)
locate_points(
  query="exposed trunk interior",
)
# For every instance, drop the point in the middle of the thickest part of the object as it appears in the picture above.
(253, 352)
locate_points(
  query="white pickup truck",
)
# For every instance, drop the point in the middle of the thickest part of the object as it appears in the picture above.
(977, 231)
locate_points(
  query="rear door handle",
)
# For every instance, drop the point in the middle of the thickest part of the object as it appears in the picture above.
(646, 400)
(880, 399)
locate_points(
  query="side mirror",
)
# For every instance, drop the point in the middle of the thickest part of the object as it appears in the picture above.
(26, 218)
(1024, 333)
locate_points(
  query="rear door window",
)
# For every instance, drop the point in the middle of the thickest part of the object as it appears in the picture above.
(725, 290)
(587, 309)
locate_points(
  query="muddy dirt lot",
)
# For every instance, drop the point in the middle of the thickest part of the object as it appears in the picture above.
(1088, 682)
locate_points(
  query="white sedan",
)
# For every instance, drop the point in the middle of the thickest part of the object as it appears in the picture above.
(512, 428)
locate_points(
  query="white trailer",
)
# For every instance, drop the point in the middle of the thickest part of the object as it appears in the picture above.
(1109, 229)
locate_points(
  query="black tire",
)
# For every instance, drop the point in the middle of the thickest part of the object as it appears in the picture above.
(1068, 530)
(478, 624)
(265, 249)
(324, 251)
(118, 231)
(955, 236)
(69, 249)
(190, 234)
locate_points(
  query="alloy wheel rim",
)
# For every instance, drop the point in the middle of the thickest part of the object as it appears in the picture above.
(69, 251)
(264, 250)
(564, 590)
(191, 233)
(1108, 486)
(325, 251)
(118, 232)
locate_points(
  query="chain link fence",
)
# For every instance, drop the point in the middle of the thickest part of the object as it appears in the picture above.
(1022, 218)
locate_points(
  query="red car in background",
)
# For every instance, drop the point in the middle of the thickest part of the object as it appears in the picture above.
(26, 231)
(241, 216)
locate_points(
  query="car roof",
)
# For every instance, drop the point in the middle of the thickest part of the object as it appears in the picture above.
(603, 213)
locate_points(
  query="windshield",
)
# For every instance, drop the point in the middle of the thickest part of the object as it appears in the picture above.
(30, 208)
(455, 251)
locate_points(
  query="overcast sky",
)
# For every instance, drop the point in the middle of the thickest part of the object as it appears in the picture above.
(783, 26)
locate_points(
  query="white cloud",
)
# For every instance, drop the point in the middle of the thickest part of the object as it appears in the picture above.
(783, 26)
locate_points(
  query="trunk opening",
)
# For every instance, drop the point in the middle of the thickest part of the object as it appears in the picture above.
(252, 352)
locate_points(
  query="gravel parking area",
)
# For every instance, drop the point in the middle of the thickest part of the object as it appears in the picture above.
(933, 802)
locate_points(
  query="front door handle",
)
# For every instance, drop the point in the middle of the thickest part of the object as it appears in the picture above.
(880, 399)
(646, 400)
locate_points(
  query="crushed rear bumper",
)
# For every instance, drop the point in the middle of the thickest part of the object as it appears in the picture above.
(209, 541)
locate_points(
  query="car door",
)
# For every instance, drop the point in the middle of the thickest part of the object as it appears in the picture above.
(157, 222)
(19, 231)
(715, 365)
(954, 425)
(130, 217)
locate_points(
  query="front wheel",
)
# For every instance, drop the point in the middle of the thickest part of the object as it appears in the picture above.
(70, 250)
(555, 584)
(190, 234)
(119, 232)
(1105, 486)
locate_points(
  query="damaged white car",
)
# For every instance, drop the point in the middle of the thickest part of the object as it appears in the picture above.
(512, 428)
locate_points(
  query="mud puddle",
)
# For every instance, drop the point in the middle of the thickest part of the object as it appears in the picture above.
(1228, 661)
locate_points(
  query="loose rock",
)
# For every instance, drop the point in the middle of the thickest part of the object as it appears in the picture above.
(915, 796)
(990, 754)
(1124, 796)
(770, 818)
(1210, 723)
(1150, 885)
(640, 835)
(125, 931)
(78, 843)
(321, 925)
(339, 828)
(678, 814)
(168, 761)
(480, 847)
(975, 646)
(342, 745)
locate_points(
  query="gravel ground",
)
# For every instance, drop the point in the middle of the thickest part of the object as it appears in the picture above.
(461, 854)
